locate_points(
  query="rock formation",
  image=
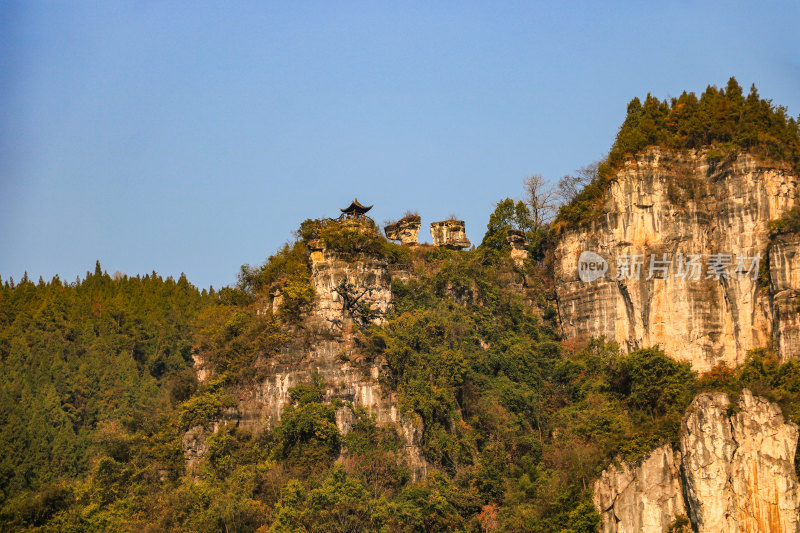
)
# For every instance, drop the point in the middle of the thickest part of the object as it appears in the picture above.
(516, 238)
(734, 472)
(347, 378)
(667, 207)
(644, 498)
(404, 230)
(784, 278)
(343, 284)
(449, 234)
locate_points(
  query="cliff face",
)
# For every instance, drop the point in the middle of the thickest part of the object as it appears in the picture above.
(784, 268)
(678, 208)
(347, 377)
(348, 289)
(734, 472)
(341, 284)
(641, 498)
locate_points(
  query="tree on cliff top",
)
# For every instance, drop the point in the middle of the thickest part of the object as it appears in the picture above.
(723, 120)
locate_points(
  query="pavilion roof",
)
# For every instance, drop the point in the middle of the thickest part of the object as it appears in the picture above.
(356, 208)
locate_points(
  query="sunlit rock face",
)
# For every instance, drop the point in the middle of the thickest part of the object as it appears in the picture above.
(339, 282)
(328, 353)
(679, 204)
(404, 230)
(739, 465)
(646, 498)
(733, 473)
(450, 234)
(347, 378)
(519, 252)
(784, 278)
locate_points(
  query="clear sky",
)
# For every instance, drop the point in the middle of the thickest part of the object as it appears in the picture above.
(195, 137)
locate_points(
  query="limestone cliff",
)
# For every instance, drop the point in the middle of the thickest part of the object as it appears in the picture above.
(644, 497)
(350, 289)
(734, 472)
(686, 214)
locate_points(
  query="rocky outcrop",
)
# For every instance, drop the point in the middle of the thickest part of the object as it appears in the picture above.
(516, 238)
(734, 472)
(739, 466)
(343, 284)
(194, 442)
(347, 378)
(194, 447)
(450, 234)
(686, 215)
(644, 498)
(404, 230)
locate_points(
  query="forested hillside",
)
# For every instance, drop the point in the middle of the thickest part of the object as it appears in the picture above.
(97, 388)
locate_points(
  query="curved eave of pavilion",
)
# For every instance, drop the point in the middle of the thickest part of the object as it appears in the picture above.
(356, 208)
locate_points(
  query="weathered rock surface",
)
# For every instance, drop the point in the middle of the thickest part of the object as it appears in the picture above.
(341, 283)
(645, 498)
(784, 270)
(404, 230)
(516, 238)
(678, 204)
(194, 440)
(260, 406)
(194, 446)
(450, 234)
(739, 466)
(734, 473)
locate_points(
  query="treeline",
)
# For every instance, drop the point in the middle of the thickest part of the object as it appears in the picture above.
(723, 121)
(80, 360)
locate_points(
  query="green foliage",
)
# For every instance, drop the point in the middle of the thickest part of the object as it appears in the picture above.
(97, 391)
(653, 382)
(723, 121)
(723, 118)
(788, 223)
(76, 356)
(307, 434)
(228, 339)
(507, 215)
(202, 408)
(286, 273)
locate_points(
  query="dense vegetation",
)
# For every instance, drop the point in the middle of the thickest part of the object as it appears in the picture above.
(723, 121)
(97, 392)
(97, 389)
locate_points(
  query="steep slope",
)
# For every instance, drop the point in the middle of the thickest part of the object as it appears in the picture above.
(734, 472)
(670, 207)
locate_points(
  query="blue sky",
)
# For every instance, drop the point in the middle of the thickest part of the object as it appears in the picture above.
(195, 137)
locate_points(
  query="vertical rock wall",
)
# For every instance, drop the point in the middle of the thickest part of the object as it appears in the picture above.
(734, 473)
(645, 498)
(365, 278)
(676, 203)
